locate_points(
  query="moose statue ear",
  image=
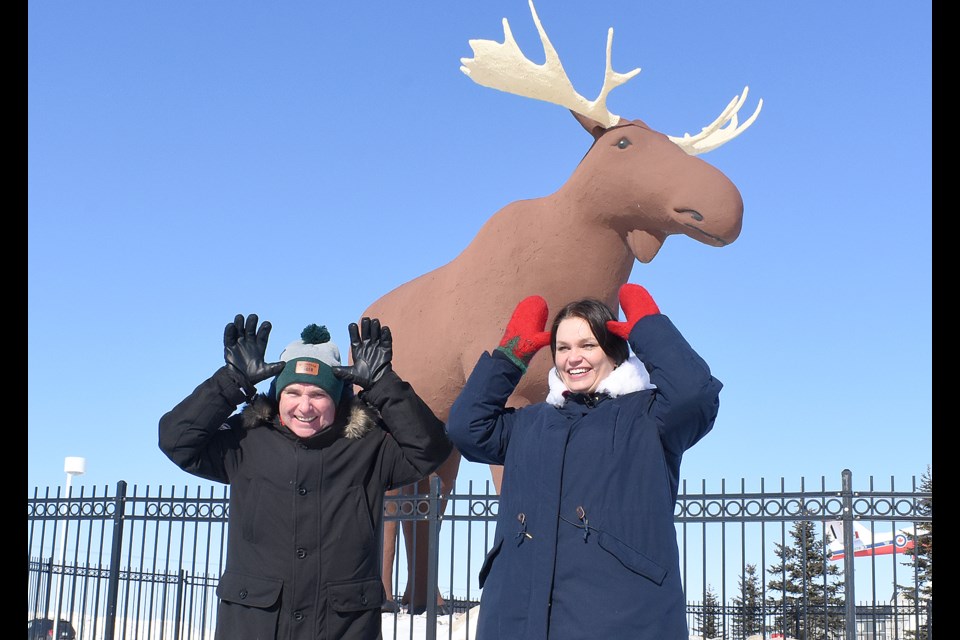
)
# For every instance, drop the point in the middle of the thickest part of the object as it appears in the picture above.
(593, 127)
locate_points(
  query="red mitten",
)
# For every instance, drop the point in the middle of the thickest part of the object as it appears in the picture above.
(525, 335)
(636, 303)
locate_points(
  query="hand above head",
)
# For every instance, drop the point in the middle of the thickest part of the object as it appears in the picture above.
(372, 349)
(636, 303)
(525, 333)
(244, 348)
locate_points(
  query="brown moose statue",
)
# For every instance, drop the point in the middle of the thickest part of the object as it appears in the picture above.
(632, 189)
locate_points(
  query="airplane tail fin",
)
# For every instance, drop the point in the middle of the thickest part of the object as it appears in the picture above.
(834, 531)
(833, 536)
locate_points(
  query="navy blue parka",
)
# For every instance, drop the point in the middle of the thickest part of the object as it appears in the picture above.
(585, 544)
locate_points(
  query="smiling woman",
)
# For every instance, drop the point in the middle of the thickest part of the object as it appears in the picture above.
(591, 474)
(580, 360)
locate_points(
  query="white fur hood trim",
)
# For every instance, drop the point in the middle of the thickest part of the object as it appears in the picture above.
(628, 377)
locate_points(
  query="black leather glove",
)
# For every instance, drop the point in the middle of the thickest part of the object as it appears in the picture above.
(372, 349)
(244, 347)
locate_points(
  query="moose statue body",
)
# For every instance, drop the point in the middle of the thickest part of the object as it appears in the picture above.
(633, 188)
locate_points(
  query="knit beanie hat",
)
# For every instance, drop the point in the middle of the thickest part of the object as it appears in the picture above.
(309, 361)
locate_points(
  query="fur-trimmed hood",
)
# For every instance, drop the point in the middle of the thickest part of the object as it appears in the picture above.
(630, 376)
(354, 418)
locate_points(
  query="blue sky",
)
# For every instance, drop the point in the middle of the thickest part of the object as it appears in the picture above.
(184, 156)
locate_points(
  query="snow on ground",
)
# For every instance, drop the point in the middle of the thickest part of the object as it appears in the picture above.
(402, 626)
(406, 627)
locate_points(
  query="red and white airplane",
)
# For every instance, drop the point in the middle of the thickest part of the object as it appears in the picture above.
(865, 544)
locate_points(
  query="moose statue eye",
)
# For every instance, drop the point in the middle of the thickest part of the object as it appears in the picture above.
(623, 143)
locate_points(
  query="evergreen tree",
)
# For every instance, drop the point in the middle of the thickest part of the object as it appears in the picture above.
(920, 592)
(808, 586)
(710, 624)
(748, 619)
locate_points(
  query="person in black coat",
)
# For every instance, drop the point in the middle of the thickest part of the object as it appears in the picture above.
(308, 464)
(585, 544)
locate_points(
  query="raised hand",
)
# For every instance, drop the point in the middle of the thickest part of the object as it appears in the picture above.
(525, 333)
(372, 349)
(245, 346)
(636, 303)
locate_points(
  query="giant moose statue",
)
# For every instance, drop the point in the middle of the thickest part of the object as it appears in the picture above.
(632, 189)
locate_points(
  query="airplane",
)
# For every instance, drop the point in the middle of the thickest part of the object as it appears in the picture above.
(865, 544)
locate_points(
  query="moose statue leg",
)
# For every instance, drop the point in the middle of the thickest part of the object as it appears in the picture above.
(416, 538)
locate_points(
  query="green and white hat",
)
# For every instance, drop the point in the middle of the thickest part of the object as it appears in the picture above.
(309, 361)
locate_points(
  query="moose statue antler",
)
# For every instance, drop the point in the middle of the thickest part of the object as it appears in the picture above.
(631, 190)
(503, 66)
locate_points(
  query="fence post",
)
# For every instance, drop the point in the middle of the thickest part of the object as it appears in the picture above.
(433, 557)
(181, 594)
(116, 547)
(49, 588)
(850, 601)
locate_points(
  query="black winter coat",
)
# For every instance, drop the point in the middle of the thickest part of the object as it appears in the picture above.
(306, 514)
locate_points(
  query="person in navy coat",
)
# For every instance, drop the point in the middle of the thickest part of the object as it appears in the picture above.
(585, 544)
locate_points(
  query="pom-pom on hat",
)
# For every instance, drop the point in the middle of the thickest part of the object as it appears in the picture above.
(309, 361)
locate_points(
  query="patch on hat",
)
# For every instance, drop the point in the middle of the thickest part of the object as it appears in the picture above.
(306, 367)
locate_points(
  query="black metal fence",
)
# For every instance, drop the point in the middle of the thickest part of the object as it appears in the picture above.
(144, 565)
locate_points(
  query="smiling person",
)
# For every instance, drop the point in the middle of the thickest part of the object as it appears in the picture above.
(308, 464)
(585, 545)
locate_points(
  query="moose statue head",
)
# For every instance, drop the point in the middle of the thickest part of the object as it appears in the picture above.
(632, 189)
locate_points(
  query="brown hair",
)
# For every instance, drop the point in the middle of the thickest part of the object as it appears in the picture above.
(596, 314)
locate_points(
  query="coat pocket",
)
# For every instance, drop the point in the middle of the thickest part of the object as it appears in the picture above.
(359, 595)
(633, 559)
(249, 605)
(353, 609)
(488, 561)
(250, 591)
